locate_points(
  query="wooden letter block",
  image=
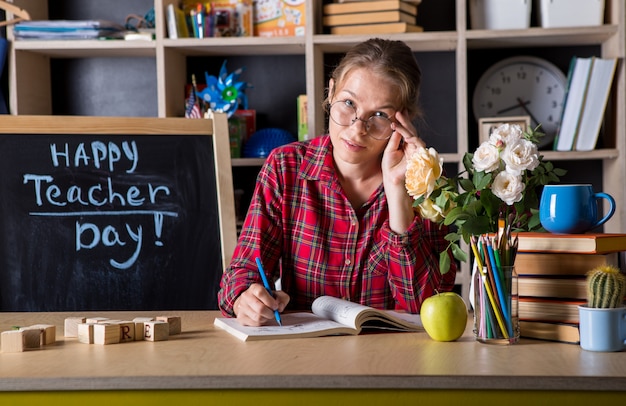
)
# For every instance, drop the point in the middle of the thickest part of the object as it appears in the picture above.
(127, 331)
(174, 322)
(12, 341)
(85, 333)
(156, 331)
(20, 340)
(95, 320)
(140, 326)
(48, 333)
(32, 338)
(71, 326)
(106, 333)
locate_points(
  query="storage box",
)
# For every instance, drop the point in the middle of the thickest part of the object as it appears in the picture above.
(570, 13)
(279, 18)
(500, 14)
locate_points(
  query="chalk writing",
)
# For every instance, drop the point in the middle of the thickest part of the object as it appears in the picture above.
(103, 197)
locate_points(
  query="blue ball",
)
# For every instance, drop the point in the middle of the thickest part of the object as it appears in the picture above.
(262, 142)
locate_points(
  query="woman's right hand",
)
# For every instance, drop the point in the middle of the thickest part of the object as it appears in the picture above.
(255, 306)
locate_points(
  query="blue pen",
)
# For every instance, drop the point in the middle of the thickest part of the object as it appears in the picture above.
(267, 286)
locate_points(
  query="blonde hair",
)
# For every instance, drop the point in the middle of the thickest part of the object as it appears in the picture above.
(393, 60)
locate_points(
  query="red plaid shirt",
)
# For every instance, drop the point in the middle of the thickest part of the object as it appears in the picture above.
(302, 226)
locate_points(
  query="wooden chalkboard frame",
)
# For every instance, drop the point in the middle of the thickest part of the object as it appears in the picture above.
(216, 128)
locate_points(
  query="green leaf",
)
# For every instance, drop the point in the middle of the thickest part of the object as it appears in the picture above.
(466, 185)
(418, 201)
(482, 180)
(477, 225)
(444, 262)
(534, 222)
(458, 253)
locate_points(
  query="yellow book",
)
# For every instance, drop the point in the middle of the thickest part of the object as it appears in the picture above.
(561, 332)
(383, 28)
(368, 18)
(368, 6)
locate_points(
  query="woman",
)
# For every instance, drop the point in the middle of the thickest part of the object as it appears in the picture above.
(331, 216)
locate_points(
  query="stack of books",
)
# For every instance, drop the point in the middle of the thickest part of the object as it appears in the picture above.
(551, 272)
(345, 17)
(588, 89)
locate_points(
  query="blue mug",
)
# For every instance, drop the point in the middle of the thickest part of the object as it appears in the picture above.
(572, 209)
(602, 329)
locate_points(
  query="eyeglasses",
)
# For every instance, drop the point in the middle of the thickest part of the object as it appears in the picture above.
(378, 126)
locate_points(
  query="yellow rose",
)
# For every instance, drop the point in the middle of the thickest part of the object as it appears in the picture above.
(430, 211)
(423, 169)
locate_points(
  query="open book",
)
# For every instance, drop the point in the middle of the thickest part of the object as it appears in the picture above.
(331, 316)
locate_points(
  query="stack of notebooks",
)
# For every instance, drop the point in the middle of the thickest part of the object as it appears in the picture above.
(371, 17)
(68, 29)
(552, 279)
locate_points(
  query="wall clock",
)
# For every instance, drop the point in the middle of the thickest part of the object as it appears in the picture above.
(522, 86)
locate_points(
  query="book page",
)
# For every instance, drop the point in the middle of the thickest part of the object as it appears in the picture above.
(339, 310)
(294, 325)
(357, 316)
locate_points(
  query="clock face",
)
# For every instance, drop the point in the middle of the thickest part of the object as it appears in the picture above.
(523, 86)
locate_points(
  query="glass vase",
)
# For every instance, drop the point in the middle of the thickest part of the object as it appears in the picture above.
(496, 317)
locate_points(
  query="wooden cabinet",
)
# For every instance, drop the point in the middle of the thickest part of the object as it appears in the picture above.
(452, 56)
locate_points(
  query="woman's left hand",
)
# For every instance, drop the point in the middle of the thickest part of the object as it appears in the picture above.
(403, 143)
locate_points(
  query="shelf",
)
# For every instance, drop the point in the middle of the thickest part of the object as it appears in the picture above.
(88, 48)
(425, 41)
(540, 37)
(596, 154)
(237, 45)
(247, 162)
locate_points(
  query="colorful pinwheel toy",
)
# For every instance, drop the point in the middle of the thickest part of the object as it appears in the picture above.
(224, 94)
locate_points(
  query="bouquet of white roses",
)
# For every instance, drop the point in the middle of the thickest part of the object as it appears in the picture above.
(503, 178)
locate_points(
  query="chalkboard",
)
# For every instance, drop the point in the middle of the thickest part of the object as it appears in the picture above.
(113, 213)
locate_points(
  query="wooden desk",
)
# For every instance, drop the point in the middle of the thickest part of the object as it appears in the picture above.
(205, 363)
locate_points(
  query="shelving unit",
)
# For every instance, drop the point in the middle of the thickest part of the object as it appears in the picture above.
(453, 129)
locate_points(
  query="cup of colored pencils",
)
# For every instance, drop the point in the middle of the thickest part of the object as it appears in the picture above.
(496, 319)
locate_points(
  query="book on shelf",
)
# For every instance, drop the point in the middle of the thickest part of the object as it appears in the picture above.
(596, 99)
(577, 85)
(329, 316)
(561, 332)
(561, 264)
(589, 243)
(549, 310)
(383, 28)
(303, 126)
(368, 6)
(176, 22)
(553, 287)
(368, 18)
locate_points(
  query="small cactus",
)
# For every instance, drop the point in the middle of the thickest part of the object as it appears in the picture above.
(606, 287)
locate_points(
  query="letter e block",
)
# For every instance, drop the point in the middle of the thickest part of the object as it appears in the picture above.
(106, 333)
(140, 326)
(174, 322)
(156, 331)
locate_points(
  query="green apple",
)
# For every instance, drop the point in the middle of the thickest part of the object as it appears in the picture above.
(444, 316)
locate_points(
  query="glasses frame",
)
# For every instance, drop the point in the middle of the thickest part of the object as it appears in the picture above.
(357, 118)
